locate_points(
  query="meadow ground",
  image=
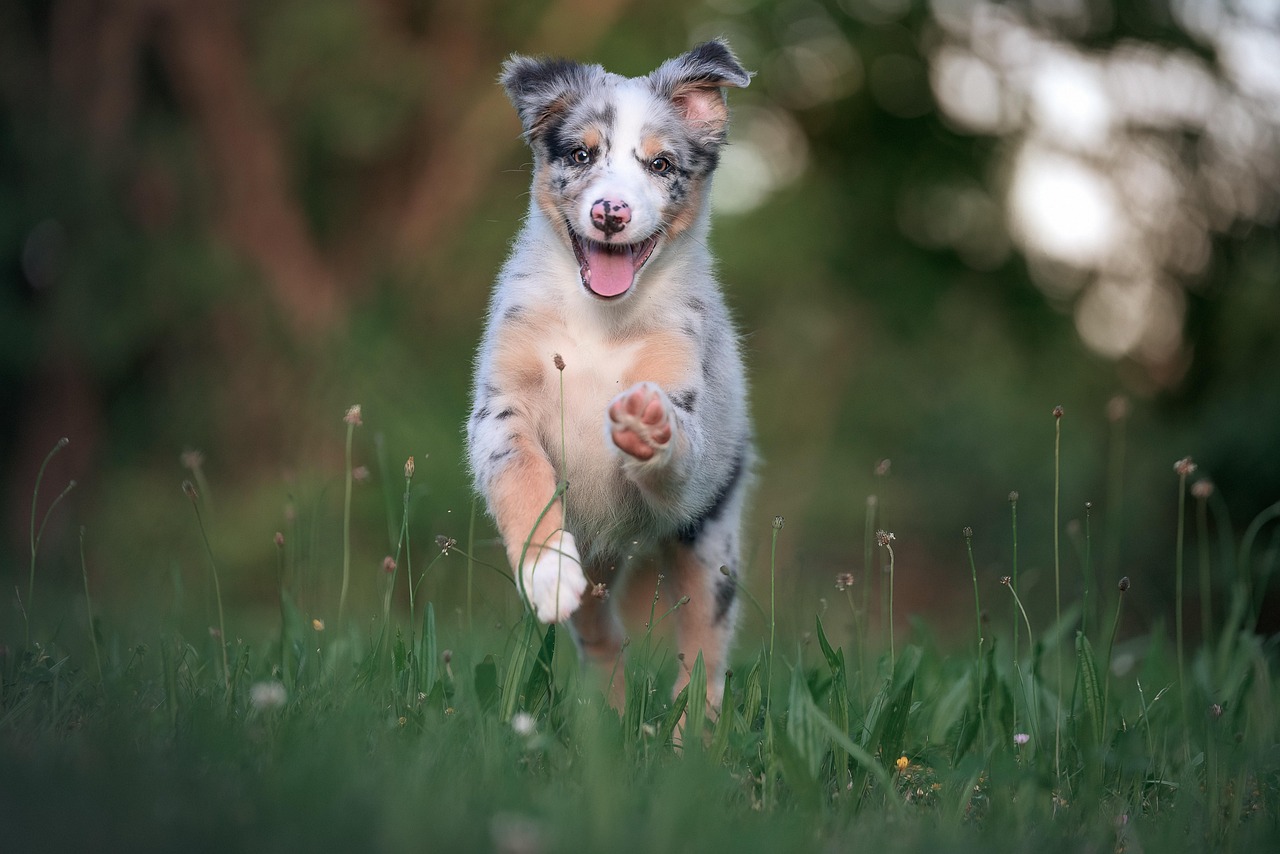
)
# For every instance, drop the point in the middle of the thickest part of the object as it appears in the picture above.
(404, 731)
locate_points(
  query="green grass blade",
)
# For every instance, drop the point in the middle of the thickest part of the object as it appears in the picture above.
(672, 718)
(1089, 684)
(516, 665)
(486, 683)
(865, 762)
(795, 767)
(696, 720)
(537, 690)
(806, 735)
(753, 693)
(725, 723)
(839, 698)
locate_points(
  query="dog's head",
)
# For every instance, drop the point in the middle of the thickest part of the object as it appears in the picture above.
(621, 165)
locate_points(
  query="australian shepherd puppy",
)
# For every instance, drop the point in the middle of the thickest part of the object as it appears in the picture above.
(609, 423)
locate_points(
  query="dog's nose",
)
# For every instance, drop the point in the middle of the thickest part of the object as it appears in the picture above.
(610, 216)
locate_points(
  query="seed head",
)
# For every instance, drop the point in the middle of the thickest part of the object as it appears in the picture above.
(1005, 580)
(967, 533)
(353, 416)
(777, 523)
(1184, 467)
(882, 467)
(189, 489)
(279, 540)
(445, 544)
(1215, 711)
(388, 564)
(408, 469)
(558, 361)
(267, 695)
(883, 538)
(1058, 412)
(1013, 497)
(1202, 489)
(600, 591)
(446, 656)
(1124, 584)
(523, 723)
(360, 474)
(190, 459)
(844, 581)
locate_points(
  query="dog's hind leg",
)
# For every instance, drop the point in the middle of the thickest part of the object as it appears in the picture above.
(706, 572)
(598, 634)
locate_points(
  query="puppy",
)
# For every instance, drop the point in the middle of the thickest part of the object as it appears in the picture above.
(609, 362)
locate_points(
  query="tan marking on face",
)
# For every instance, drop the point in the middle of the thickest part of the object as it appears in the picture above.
(685, 216)
(592, 139)
(665, 358)
(518, 495)
(651, 146)
(543, 193)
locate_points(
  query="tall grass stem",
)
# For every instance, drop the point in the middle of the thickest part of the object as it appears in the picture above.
(88, 606)
(1013, 517)
(773, 610)
(1111, 645)
(27, 607)
(1057, 586)
(1202, 544)
(346, 516)
(977, 613)
(190, 490)
(1183, 468)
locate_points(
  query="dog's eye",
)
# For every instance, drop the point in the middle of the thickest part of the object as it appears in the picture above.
(659, 165)
(580, 156)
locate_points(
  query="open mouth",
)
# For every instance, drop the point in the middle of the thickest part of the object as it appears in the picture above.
(609, 270)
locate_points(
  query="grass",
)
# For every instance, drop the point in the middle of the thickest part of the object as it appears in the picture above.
(390, 735)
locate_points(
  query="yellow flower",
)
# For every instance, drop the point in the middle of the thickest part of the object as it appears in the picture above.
(902, 763)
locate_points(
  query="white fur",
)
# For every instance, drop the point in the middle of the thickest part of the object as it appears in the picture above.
(554, 583)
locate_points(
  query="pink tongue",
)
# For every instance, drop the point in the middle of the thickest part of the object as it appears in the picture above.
(611, 272)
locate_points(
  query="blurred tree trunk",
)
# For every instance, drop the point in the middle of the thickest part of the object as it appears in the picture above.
(203, 50)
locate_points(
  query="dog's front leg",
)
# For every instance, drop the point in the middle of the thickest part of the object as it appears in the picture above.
(652, 445)
(520, 484)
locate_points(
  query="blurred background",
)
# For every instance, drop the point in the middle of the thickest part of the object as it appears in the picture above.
(221, 224)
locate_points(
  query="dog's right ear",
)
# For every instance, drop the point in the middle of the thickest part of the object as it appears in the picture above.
(541, 89)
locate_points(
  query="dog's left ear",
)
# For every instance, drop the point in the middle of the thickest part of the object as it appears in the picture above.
(542, 89)
(695, 84)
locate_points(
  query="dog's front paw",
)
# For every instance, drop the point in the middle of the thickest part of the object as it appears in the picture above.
(640, 421)
(554, 582)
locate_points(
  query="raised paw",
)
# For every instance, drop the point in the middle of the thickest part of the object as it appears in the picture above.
(554, 582)
(640, 421)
